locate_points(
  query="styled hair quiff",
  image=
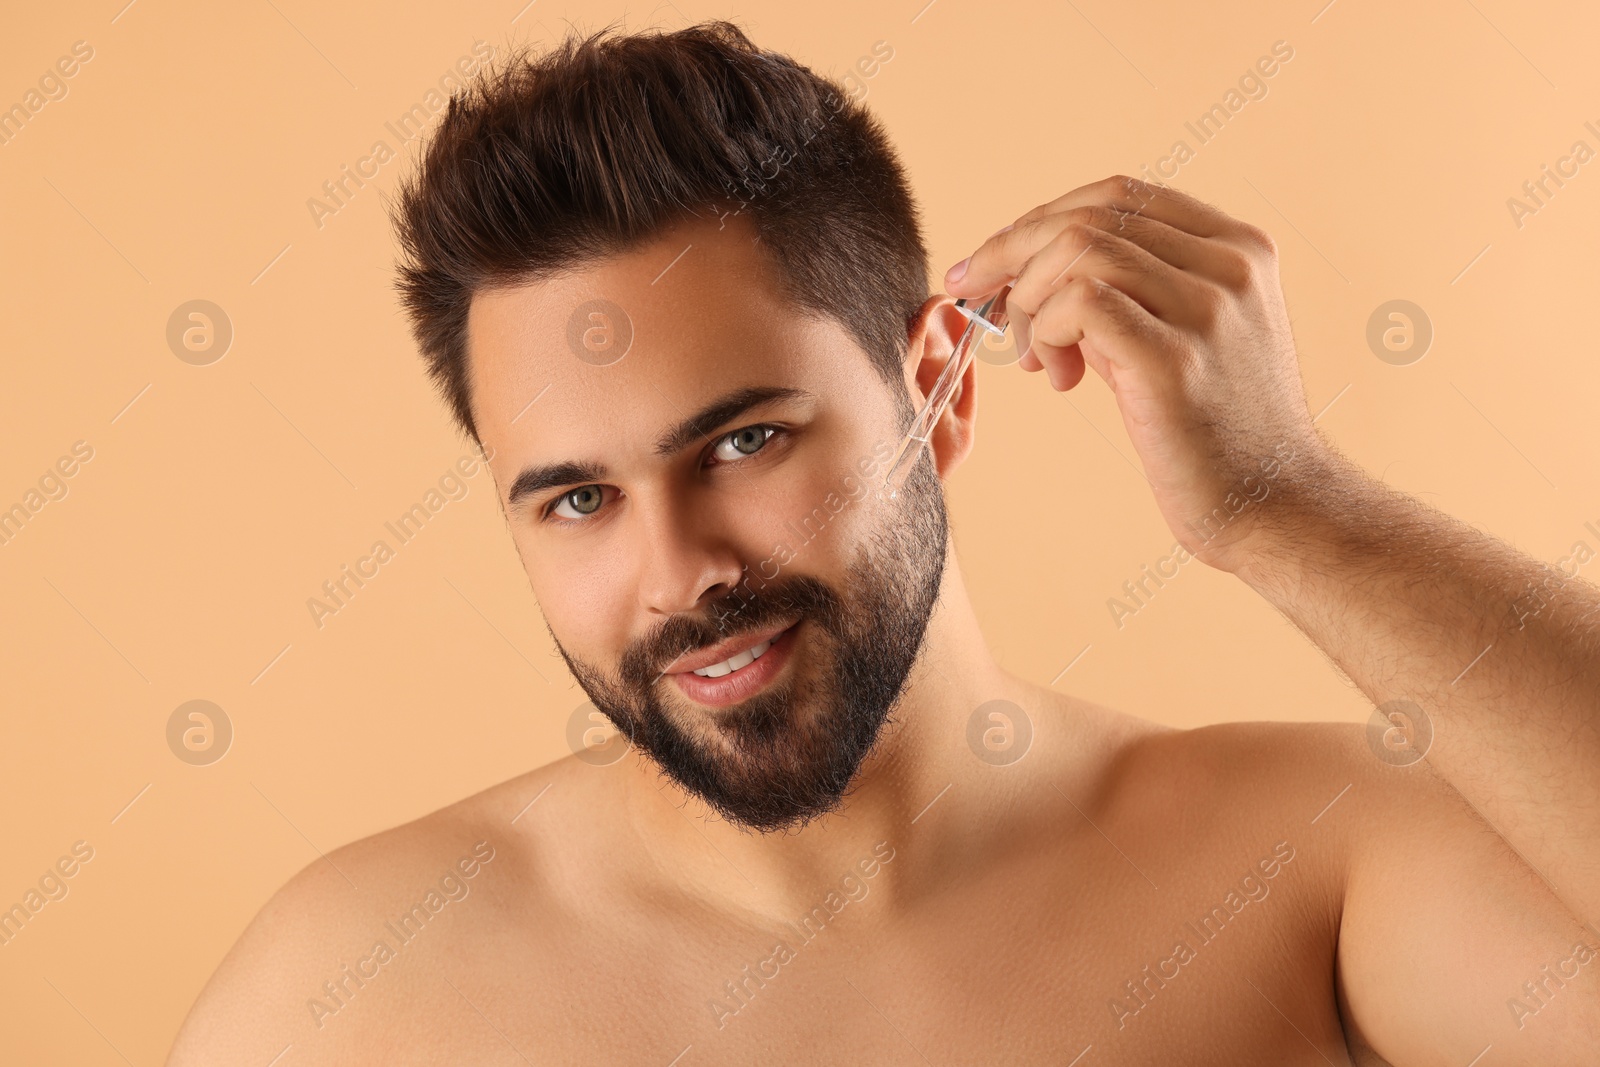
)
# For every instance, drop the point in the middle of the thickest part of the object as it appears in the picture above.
(543, 163)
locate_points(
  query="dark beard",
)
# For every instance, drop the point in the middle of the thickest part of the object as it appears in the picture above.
(789, 753)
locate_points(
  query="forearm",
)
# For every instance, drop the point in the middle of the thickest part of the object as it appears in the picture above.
(1500, 651)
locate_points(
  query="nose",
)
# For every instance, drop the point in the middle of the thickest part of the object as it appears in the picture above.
(687, 557)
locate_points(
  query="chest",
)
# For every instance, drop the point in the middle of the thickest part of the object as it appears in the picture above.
(1025, 965)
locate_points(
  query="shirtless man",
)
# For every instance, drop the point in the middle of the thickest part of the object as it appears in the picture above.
(870, 844)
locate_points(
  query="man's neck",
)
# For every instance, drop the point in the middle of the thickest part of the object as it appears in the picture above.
(920, 757)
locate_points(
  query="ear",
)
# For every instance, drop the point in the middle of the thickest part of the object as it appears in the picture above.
(931, 343)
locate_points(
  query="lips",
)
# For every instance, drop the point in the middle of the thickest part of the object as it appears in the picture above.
(736, 686)
(723, 650)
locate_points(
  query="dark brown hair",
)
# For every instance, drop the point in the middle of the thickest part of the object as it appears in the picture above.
(591, 149)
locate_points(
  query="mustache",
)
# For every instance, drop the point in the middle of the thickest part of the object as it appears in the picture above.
(728, 616)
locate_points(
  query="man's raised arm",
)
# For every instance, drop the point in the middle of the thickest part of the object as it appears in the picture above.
(1500, 652)
(1178, 307)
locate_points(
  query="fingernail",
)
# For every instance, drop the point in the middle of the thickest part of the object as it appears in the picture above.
(955, 273)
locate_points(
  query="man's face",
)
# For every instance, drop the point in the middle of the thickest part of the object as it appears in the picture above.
(687, 462)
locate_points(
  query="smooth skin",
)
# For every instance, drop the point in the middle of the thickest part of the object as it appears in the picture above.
(1356, 911)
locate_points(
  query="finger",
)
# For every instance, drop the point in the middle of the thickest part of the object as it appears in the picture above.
(1005, 255)
(1064, 368)
(1160, 202)
(1081, 249)
(1219, 261)
(1111, 330)
(1129, 198)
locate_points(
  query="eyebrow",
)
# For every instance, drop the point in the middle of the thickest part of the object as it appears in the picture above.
(537, 479)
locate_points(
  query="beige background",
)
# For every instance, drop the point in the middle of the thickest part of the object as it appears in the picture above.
(219, 498)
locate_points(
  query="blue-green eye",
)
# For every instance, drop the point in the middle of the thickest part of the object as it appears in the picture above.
(576, 505)
(584, 500)
(744, 442)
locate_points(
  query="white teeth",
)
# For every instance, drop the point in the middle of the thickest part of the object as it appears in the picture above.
(728, 666)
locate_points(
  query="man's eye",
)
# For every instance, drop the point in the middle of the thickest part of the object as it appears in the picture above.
(582, 501)
(743, 442)
(575, 506)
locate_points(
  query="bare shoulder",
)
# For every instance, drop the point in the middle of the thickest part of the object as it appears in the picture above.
(1283, 758)
(1323, 783)
(1280, 766)
(1229, 787)
(1247, 776)
(1093, 731)
(368, 915)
